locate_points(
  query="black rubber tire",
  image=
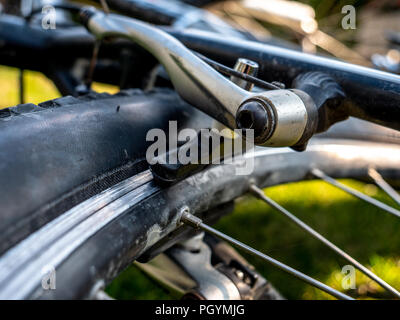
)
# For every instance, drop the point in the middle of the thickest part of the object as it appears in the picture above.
(61, 152)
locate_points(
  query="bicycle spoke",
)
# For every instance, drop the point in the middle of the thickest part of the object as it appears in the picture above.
(375, 175)
(318, 173)
(260, 194)
(197, 223)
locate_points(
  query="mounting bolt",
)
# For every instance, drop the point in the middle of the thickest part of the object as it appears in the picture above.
(189, 219)
(247, 67)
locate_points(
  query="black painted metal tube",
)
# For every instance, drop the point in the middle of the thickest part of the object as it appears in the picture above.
(372, 95)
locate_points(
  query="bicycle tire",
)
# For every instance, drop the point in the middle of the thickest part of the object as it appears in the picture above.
(61, 152)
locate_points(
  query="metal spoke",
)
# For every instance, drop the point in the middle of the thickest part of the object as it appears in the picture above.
(318, 173)
(260, 194)
(375, 175)
(197, 223)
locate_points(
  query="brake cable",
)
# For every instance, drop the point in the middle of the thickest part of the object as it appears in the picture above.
(232, 72)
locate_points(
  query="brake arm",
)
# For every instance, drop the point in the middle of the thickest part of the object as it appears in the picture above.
(278, 117)
(193, 79)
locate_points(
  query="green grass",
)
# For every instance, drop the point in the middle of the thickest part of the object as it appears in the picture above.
(38, 88)
(367, 233)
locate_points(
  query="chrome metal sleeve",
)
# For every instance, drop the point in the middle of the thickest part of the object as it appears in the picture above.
(286, 118)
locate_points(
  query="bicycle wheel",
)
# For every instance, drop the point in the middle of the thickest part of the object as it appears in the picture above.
(83, 207)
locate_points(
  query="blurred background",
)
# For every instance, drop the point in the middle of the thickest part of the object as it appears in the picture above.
(365, 232)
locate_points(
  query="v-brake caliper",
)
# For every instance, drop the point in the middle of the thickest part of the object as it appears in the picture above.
(277, 118)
